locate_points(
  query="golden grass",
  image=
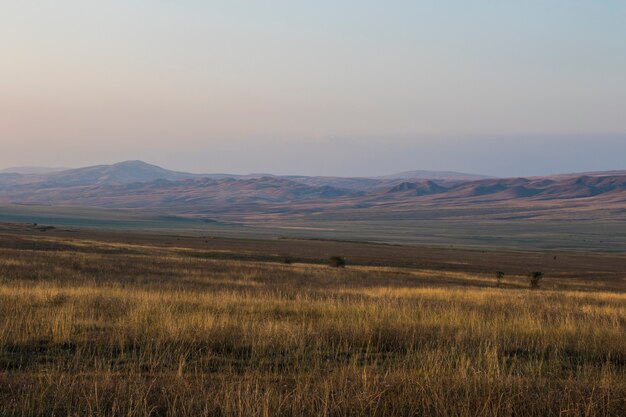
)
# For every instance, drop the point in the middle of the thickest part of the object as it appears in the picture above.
(162, 333)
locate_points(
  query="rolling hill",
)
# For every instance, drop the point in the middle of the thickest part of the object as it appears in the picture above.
(435, 175)
(138, 185)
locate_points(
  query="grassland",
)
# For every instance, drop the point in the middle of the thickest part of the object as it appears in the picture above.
(467, 228)
(147, 325)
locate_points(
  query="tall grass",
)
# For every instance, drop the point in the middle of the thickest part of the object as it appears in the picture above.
(160, 333)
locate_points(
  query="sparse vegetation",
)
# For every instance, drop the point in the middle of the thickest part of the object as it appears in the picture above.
(337, 262)
(535, 279)
(90, 328)
(499, 278)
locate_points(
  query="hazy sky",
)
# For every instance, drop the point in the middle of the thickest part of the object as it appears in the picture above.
(315, 87)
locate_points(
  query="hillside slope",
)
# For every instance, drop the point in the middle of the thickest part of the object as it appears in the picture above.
(135, 184)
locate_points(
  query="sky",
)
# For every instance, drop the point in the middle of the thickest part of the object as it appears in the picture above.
(339, 87)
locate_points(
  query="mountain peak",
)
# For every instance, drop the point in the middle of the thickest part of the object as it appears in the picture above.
(135, 163)
(126, 172)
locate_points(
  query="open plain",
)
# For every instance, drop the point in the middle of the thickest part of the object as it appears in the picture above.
(105, 323)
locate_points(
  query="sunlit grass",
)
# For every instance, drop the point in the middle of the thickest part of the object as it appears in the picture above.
(162, 333)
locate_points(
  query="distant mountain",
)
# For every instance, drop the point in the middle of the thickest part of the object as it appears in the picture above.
(435, 175)
(353, 183)
(417, 188)
(612, 173)
(190, 195)
(539, 188)
(121, 173)
(585, 186)
(136, 184)
(442, 178)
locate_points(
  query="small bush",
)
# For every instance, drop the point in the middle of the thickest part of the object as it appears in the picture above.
(499, 277)
(287, 260)
(535, 278)
(337, 262)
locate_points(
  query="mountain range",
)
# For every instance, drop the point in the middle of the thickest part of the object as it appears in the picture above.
(138, 185)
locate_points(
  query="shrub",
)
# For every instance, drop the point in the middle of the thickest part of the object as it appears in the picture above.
(499, 277)
(337, 262)
(535, 278)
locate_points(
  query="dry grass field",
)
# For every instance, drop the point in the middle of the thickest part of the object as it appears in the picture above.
(111, 325)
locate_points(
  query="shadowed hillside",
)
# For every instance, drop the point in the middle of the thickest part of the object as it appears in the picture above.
(135, 184)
